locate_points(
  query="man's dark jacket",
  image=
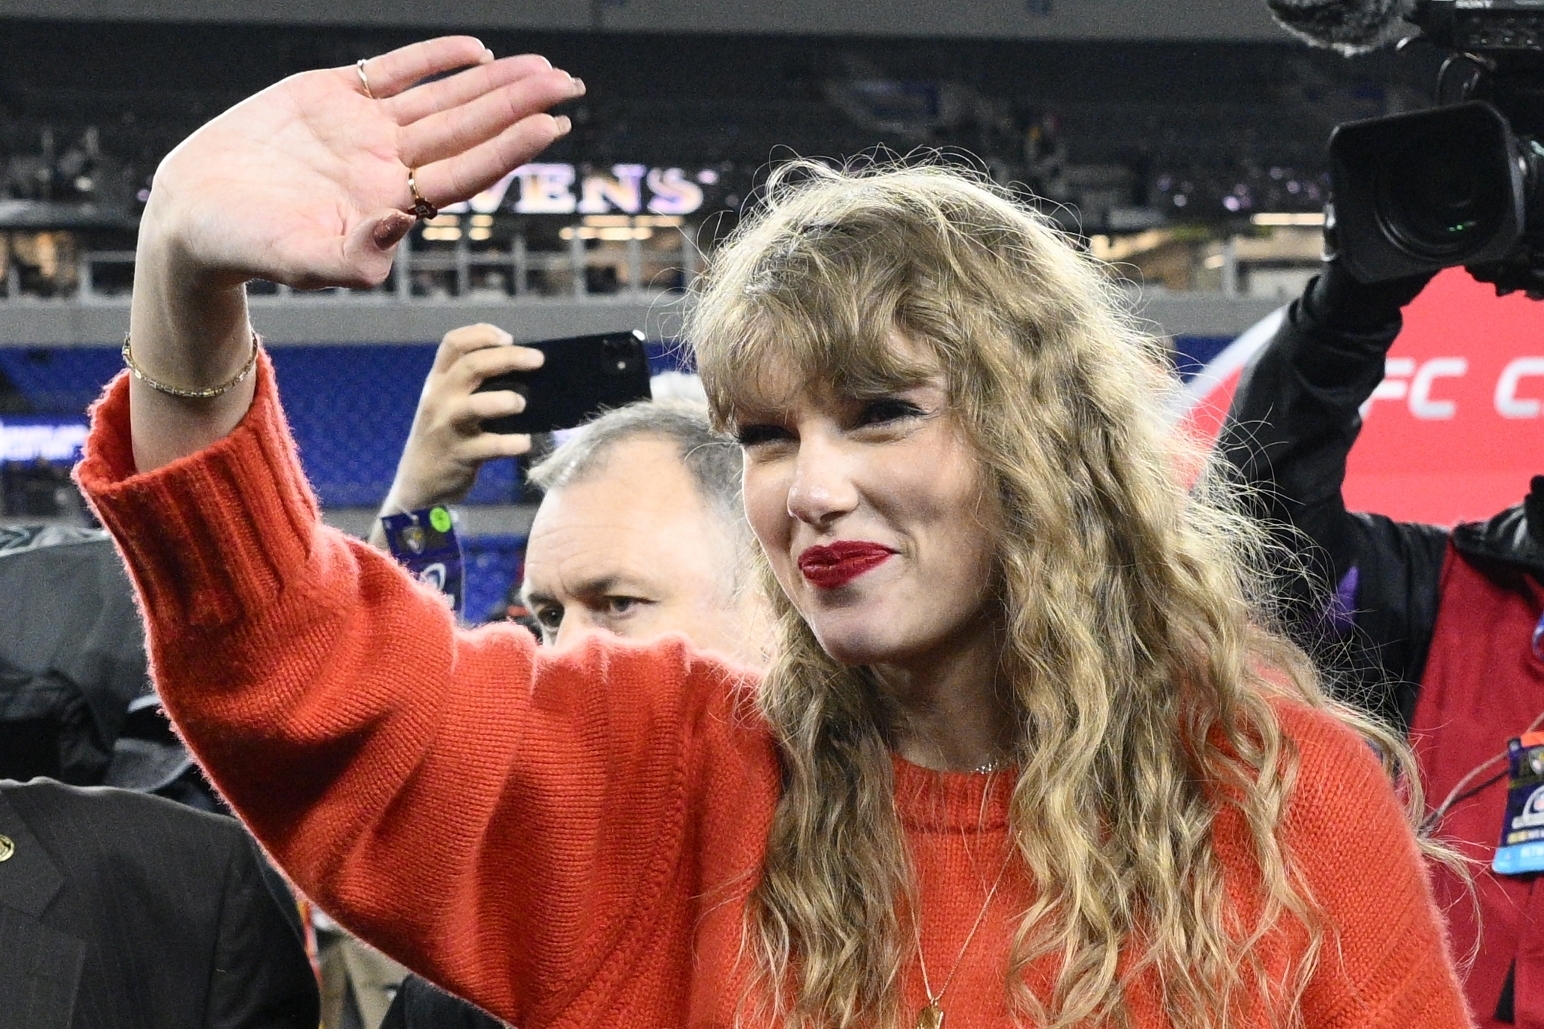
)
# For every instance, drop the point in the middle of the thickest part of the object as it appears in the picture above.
(125, 911)
(421, 1005)
(1291, 426)
(1441, 639)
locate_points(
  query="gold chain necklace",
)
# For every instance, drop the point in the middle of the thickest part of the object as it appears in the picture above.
(932, 1014)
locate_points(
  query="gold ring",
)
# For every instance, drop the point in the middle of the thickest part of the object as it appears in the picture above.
(422, 209)
(363, 80)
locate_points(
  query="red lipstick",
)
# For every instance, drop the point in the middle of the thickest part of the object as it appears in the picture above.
(836, 564)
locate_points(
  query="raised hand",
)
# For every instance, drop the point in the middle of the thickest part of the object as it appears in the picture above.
(307, 182)
(448, 445)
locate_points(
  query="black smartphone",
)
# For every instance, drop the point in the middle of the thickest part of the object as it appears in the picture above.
(582, 376)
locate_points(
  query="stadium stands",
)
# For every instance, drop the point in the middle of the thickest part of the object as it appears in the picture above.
(1184, 141)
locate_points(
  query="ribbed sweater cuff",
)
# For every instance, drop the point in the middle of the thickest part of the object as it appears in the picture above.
(212, 537)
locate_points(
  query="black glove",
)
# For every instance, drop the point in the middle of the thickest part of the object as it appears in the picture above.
(1337, 300)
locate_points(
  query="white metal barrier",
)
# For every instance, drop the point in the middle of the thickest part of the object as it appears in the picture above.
(442, 272)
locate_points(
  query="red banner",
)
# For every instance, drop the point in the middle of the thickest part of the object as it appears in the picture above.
(1456, 428)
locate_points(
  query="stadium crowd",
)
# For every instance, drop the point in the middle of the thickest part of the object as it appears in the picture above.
(918, 670)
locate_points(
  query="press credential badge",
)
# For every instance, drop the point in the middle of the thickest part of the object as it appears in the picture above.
(1522, 832)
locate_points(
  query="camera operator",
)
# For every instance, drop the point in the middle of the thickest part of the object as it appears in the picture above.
(1438, 631)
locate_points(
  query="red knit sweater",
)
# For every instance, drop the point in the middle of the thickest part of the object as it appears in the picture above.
(569, 839)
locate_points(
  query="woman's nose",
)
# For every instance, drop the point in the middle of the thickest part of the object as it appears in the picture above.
(822, 489)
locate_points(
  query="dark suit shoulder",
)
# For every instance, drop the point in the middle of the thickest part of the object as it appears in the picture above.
(73, 821)
(179, 922)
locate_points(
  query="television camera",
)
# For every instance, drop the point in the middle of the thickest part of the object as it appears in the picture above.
(1463, 182)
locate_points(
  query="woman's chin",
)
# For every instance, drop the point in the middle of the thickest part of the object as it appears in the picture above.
(855, 645)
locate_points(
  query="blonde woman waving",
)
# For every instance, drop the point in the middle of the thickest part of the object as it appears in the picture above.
(1029, 753)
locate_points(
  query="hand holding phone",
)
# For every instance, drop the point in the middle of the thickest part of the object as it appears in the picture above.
(447, 444)
(466, 415)
(581, 377)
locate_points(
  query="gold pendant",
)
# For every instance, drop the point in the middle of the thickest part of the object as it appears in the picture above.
(931, 1017)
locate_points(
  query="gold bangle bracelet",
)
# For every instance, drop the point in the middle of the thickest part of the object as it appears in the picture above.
(207, 393)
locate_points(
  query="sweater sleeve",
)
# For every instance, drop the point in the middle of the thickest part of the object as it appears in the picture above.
(491, 815)
(1384, 961)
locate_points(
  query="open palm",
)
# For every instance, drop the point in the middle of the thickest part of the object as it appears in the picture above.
(306, 183)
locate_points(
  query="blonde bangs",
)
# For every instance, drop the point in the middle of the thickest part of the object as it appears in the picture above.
(784, 351)
(822, 318)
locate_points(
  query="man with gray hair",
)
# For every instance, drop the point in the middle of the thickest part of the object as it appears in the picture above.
(640, 531)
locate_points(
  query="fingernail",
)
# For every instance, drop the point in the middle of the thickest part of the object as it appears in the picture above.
(579, 86)
(487, 55)
(563, 124)
(390, 229)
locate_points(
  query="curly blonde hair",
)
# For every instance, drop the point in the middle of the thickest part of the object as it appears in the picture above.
(1136, 618)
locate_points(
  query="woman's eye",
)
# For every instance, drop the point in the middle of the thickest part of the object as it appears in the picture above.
(888, 409)
(751, 435)
(621, 605)
(548, 616)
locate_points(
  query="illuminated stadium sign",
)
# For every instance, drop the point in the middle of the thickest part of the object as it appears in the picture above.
(560, 189)
(28, 439)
